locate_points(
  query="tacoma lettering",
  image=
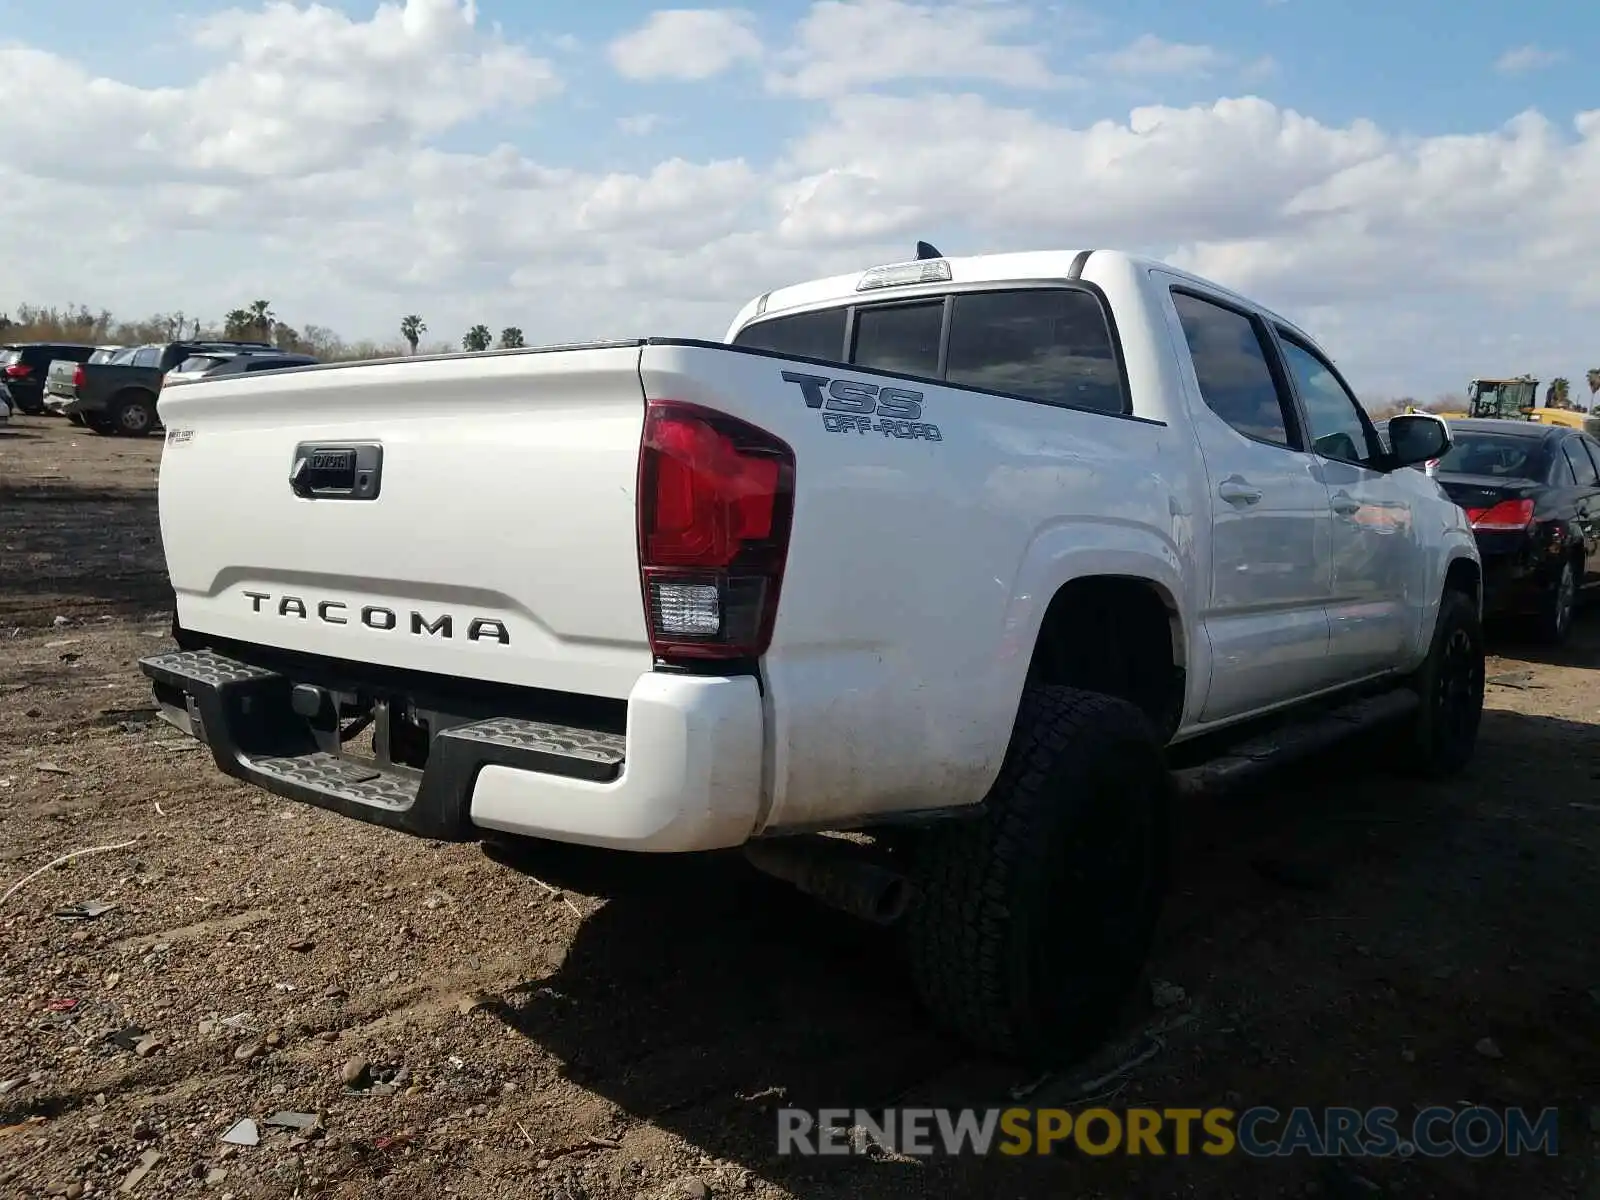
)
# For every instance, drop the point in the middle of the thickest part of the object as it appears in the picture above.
(380, 618)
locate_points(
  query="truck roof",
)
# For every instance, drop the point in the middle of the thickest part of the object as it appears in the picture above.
(973, 268)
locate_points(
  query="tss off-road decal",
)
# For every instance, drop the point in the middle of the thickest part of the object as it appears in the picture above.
(849, 404)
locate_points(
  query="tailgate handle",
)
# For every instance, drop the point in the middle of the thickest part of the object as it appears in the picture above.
(346, 471)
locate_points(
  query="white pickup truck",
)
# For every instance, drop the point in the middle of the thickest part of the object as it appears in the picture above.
(986, 558)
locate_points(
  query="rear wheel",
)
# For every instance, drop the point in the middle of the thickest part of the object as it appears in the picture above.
(134, 414)
(1439, 739)
(1032, 921)
(1553, 620)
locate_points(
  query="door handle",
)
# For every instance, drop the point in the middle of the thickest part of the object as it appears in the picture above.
(1237, 491)
(1345, 504)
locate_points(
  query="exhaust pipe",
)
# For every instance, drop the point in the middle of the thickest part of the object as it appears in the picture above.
(835, 872)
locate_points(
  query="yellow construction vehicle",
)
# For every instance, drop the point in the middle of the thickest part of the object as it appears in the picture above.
(1514, 400)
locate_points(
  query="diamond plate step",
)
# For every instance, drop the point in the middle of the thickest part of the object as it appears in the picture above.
(590, 745)
(202, 666)
(332, 776)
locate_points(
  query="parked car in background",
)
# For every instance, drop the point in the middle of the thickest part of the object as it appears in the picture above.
(1532, 495)
(101, 354)
(5, 403)
(221, 362)
(119, 395)
(25, 366)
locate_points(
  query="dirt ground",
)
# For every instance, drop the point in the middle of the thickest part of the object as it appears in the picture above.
(546, 1023)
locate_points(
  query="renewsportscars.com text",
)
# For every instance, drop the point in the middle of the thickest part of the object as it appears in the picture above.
(1257, 1132)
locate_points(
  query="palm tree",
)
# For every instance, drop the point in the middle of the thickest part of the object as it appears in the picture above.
(412, 328)
(1558, 394)
(262, 318)
(510, 338)
(478, 338)
(1593, 378)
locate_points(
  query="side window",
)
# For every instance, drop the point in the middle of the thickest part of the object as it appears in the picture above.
(1594, 451)
(1582, 468)
(1561, 469)
(148, 356)
(1338, 426)
(1046, 344)
(817, 334)
(1230, 364)
(899, 337)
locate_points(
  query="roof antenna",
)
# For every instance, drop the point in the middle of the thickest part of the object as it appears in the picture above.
(926, 250)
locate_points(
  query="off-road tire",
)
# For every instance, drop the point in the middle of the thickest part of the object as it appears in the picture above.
(1033, 920)
(1438, 740)
(1558, 607)
(133, 414)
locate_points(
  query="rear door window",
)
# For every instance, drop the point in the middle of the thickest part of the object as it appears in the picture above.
(147, 356)
(903, 338)
(1231, 367)
(817, 334)
(1049, 344)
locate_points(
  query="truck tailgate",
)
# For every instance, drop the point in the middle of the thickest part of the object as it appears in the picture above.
(59, 379)
(470, 516)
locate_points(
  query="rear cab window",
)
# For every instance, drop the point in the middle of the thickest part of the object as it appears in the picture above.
(1048, 344)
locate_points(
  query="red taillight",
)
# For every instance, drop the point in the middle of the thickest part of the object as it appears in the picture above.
(715, 500)
(77, 376)
(1507, 515)
(18, 371)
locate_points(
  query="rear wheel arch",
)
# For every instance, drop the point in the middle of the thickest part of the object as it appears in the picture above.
(1117, 635)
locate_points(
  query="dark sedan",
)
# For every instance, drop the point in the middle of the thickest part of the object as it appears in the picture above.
(25, 364)
(1532, 493)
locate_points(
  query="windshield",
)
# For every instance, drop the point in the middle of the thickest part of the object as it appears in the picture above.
(1493, 454)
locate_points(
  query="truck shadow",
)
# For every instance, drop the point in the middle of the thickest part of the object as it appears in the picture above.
(79, 550)
(1323, 910)
(1582, 648)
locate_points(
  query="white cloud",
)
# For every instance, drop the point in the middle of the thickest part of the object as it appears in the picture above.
(1150, 55)
(284, 90)
(844, 45)
(1520, 59)
(686, 44)
(306, 162)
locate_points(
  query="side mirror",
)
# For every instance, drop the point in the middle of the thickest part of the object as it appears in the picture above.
(1417, 438)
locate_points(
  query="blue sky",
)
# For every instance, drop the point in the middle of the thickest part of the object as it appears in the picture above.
(1423, 67)
(1373, 190)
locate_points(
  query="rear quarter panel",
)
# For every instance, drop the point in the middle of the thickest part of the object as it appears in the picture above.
(919, 570)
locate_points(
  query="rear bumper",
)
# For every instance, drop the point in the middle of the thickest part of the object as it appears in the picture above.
(62, 406)
(685, 776)
(27, 397)
(1516, 580)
